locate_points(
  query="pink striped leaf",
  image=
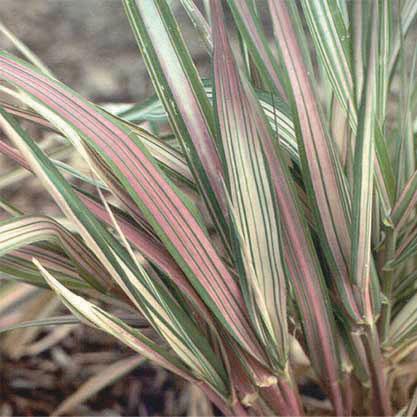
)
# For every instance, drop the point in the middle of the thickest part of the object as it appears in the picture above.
(143, 287)
(181, 91)
(253, 201)
(249, 26)
(18, 266)
(20, 232)
(150, 247)
(168, 213)
(300, 258)
(322, 172)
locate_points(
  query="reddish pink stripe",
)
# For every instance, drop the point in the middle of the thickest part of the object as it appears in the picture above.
(154, 251)
(132, 178)
(209, 269)
(244, 11)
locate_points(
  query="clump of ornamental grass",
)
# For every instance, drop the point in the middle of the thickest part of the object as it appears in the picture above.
(270, 234)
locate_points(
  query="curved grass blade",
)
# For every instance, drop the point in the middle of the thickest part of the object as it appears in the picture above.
(384, 49)
(199, 22)
(179, 87)
(332, 42)
(149, 247)
(322, 173)
(406, 203)
(404, 325)
(144, 289)
(25, 51)
(304, 270)
(363, 185)
(167, 212)
(23, 231)
(18, 174)
(67, 320)
(16, 267)
(150, 110)
(96, 317)
(144, 241)
(50, 321)
(276, 110)
(252, 33)
(14, 154)
(169, 159)
(408, 14)
(383, 166)
(406, 159)
(252, 197)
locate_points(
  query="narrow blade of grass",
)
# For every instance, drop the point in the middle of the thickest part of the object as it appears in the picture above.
(252, 197)
(322, 173)
(167, 212)
(23, 231)
(249, 26)
(179, 87)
